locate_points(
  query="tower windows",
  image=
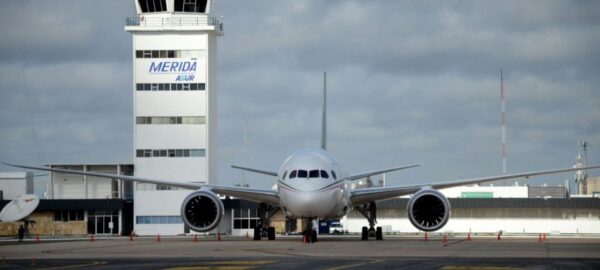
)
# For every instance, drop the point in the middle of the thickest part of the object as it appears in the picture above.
(153, 5)
(170, 120)
(198, 6)
(170, 87)
(168, 53)
(171, 153)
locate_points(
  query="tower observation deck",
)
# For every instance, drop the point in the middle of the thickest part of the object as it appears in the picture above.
(175, 106)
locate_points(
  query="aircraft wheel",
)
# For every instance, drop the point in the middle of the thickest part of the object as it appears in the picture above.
(271, 233)
(365, 234)
(256, 233)
(379, 234)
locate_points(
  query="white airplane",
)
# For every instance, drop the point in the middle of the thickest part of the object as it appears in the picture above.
(310, 185)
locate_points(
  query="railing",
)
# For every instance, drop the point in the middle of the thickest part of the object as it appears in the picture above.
(181, 21)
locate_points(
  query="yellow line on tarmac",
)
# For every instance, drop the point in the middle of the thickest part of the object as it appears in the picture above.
(355, 265)
(74, 266)
(223, 265)
(470, 267)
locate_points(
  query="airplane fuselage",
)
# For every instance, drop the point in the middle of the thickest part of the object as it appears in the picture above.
(311, 185)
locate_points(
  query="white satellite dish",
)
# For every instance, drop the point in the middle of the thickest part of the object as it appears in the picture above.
(19, 208)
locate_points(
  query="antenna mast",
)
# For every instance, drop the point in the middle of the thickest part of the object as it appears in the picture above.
(503, 120)
(324, 117)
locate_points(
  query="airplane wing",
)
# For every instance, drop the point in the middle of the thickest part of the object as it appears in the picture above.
(271, 173)
(256, 195)
(367, 174)
(365, 195)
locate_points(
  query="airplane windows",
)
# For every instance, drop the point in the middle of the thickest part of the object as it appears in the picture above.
(302, 174)
(333, 174)
(324, 174)
(314, 174)
(293, 174)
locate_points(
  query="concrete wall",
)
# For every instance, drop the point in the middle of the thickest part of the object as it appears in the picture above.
(45, 226)
(485, 220)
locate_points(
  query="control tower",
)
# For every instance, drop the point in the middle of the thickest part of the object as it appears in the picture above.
(175, 106)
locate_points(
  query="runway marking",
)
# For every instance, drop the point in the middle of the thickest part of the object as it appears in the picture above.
(74, 265)
(355, 265)
(470, 267)
(223, 265)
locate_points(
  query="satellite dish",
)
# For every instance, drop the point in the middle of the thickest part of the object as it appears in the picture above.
(19, 208)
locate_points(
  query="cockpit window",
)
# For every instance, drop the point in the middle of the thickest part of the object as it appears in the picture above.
(302, 174)
(293, 174)
(324, 174)
(314, 174)
(284, 175)
(333, 174)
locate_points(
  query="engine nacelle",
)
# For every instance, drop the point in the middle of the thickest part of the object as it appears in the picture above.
(428, 210)
(202, 210)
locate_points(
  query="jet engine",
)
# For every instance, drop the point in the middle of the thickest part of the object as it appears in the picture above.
(428, 210)
(202, 210)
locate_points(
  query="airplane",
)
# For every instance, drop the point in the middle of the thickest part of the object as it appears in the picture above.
(310, 185)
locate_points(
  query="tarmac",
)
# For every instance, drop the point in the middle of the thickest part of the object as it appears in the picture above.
(330, 252)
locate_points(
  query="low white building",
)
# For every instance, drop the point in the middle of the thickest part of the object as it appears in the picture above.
(13, 184)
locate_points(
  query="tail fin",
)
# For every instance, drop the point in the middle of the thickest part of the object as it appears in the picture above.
(324, 117)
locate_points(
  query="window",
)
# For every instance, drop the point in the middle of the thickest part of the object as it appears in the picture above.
(158, 220)
(333, 174)
(302, 174)
(245, 218)
(293, 174)
(170, 87)
(324, 174)
(314, 174)
(69, 215)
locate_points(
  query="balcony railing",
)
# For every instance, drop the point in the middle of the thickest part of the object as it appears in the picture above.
(181, 21)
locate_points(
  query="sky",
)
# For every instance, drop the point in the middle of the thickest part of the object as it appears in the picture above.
(408, 82)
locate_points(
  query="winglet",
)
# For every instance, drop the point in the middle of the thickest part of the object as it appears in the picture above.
(363, 175)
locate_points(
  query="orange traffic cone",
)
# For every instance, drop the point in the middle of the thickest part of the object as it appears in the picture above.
(158, 237)
(544, 236)
(445, 239)
(304, 238)
(195, 238)
(498, 236)
(540, 238)
(247, 236)
(92, 238)
(37, 238)
(426, 237)
(218, 237)
(469, 237)
(131, 237)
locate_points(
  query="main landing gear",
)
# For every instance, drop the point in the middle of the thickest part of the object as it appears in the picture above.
(262, 229)
(369, 211)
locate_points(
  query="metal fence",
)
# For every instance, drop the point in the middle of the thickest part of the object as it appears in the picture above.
(181, 21)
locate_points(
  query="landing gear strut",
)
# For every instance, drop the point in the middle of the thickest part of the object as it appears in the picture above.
(265, 212)
(369, 211)
(309, 232)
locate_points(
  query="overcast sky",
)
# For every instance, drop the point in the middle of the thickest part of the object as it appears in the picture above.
(409, 82)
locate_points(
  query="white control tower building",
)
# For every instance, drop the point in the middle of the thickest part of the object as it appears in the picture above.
(175, 106)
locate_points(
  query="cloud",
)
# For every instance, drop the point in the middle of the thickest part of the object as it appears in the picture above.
(408, 82)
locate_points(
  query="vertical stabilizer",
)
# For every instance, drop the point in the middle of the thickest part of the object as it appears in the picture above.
(324, 117)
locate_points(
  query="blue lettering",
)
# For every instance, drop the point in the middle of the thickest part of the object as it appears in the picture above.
(155, 68)
(172, 67)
